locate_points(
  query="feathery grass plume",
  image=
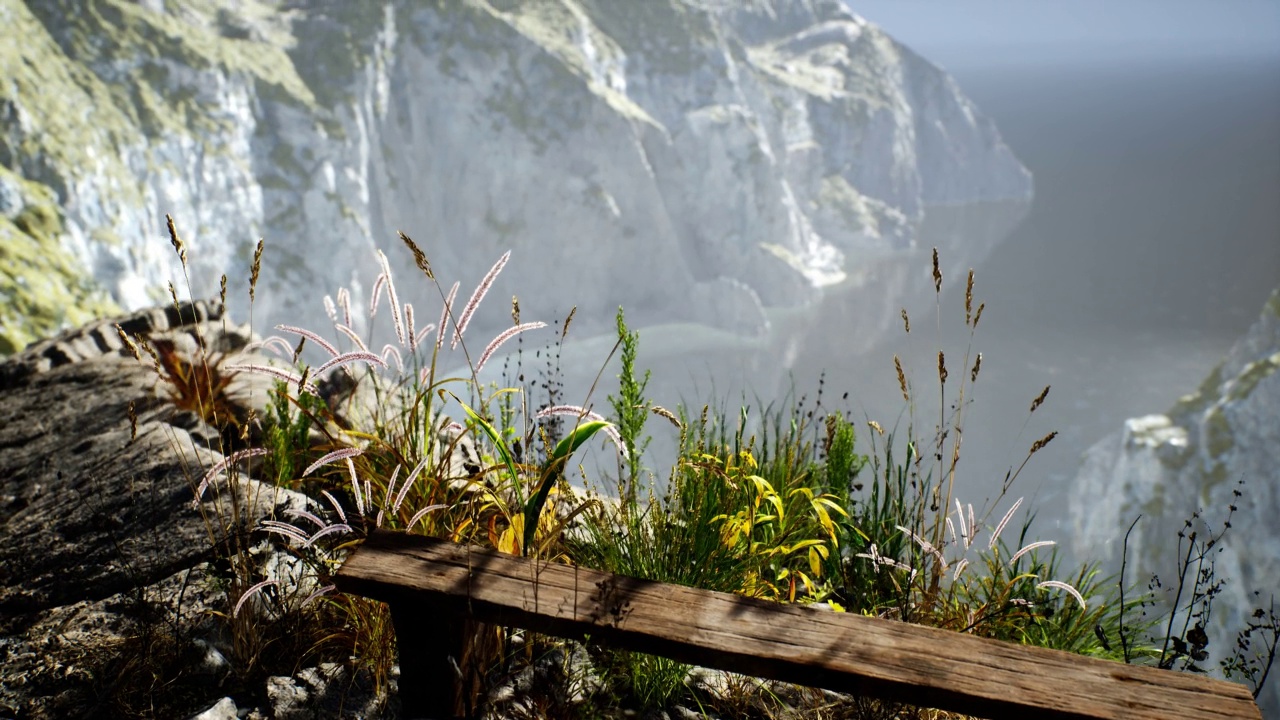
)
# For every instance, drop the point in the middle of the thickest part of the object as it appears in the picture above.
(348, 358)
(977, 365)
(344, 303)
(609, 428)
(906, 322)
(375, 297)
(902, 378)
(964, 529)
(515, 310)
(221, 465)
(276, 373)
(419, 257)
(502, 337)
(1040, 398)
(942, 368)
(937, 273)
(476, 296)
(176, 241)
(253, 270)
(564, 331)
(925, 545)
(250, 593)
(294, 330)
(355, 486)
(330, 309)
(410, 330)
(352, 336)
(995, 534)
(446, 313)
(393, 299)
(1059, 585)
(423, 332)
(275, 344)
(421, 514)
(222, 289)
(336, 455)
(391, 351)
(968, 298)
(1028, 548)
(1038, 445)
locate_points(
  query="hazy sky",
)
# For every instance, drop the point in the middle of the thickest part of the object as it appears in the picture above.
(1004, 32)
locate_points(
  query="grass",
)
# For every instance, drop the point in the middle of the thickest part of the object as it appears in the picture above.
(792, 501)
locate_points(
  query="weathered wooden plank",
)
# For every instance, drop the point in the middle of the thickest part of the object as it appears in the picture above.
(847, 653)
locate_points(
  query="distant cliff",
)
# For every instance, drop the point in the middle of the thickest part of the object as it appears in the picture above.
(1164, 467)
(748, 152)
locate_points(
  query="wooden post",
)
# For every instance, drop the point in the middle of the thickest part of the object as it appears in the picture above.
(431, 646)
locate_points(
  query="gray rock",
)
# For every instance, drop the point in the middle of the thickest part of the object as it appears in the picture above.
(224, 709)
(778, 144)
(1192, 458)
(289, 700)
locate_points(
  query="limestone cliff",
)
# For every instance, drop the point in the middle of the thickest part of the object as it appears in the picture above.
(748, 153)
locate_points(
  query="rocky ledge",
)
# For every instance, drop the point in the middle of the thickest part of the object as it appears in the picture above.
(104, 559)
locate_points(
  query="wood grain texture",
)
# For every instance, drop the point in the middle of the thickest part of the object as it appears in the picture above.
(848, 653)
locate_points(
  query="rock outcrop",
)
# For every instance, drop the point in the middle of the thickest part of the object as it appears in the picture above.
(731, 157)
(101, 548)
(1194, 458)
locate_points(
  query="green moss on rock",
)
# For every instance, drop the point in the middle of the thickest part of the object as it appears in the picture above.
(43, 288)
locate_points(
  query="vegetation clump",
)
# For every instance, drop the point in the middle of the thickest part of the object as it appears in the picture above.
(793, 502)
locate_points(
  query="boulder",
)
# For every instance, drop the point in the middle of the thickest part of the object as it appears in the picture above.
(102, 551)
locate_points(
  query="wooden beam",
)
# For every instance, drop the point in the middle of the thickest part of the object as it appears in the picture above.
(848, 653)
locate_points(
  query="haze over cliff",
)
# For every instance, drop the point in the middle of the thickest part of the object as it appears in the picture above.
(748, 154)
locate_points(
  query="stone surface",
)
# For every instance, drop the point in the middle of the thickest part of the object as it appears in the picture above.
(101, 548)
(1193, 458)
(740, 153)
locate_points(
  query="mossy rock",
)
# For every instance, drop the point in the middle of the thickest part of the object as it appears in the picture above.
(43, 289)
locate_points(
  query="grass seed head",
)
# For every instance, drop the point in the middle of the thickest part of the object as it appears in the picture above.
(906, 322)
(419, 257)
(1040, 398)
(968, 299)
(128, 342)
(253, 270)
(942, 368)
(902, 378)
(568, 319)
(178, 247)
(937, 273)
(977, 365)
(1039, 444)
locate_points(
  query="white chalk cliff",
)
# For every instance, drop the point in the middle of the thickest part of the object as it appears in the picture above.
(749, 153)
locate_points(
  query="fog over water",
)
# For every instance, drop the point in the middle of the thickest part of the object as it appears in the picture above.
(1150, 247)
(1153, 134)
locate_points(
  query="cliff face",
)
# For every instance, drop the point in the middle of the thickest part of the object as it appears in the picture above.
(1191, 458)
(746, 153)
